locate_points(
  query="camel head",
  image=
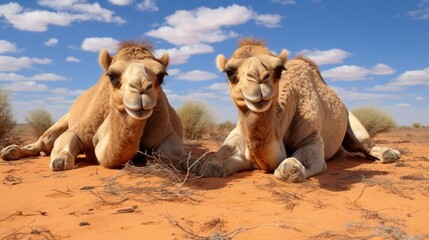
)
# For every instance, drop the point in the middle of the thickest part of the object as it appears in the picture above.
(135, 77)
(253, 73)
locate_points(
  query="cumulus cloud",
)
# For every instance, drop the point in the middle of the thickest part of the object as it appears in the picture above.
(148, 5)
(354, 95)
(95, 44)
(65, 12)
(121, 2)
(37, 77)
(6, 46)
(29, 86)
(196, 76)
(331, 56)
(181, 54)
(13, 64)
(205, 25)
(355, 73)
(221, 87)
(72, 59)
(409, 78)
(51, 42)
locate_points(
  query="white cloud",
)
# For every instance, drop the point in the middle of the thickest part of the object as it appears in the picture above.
(382, 69)
(354, 95)
(148, 5)
(403, 105)
(51, 42)
(121, 2)
(346, 73)
(408, 78)
(95, 44)
(181, 54)
(173, 71)
(196, 76)
(284, 2)
(72, 59)
(268, 20)
(12, 64)
(331, 56)
(355, 73)
(205, 24)
(6, 46)
(37, 77)
(419, 14)
(66, 12)
(28, 86)
(221, 87)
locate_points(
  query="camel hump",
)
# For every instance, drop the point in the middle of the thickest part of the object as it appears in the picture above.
(312, 64)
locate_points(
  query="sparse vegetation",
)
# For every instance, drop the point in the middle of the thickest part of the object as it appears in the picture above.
(196, 119)
(374, 120)
(417, 125)
(39, 120)
(7, 122)
(226, 126)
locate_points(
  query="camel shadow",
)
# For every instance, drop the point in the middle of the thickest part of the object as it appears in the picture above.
(341, 174)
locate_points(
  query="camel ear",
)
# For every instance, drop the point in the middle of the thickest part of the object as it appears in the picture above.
(104, 59)
(283, 56)
(221, 62)
(164, 59)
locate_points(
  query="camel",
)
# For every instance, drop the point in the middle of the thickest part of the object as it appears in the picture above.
(289, 121)
(125, 111)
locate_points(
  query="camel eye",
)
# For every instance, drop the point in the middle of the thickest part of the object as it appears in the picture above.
(278, 71)
(114, 78)
(231, 74)
(160, 77)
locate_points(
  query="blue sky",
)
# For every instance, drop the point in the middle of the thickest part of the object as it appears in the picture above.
(373, 53)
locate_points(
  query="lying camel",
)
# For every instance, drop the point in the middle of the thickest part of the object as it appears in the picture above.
(289, 121)
(125, 111)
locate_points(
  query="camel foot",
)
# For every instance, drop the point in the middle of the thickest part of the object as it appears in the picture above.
(385, 154)
(12, 152)
(290, 170)
(62, 161)
(186, 165)
(212, 169)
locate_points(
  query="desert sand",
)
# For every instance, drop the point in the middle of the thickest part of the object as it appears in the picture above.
(354, 199)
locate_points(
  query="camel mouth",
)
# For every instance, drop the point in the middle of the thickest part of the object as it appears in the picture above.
(260, 106)
(141, 114)
(139, 107)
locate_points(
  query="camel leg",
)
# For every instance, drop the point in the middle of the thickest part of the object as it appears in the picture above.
(66, 149)
(304, 162)
(44, 144)
(357, 139)
(173, 150)
(229, 159)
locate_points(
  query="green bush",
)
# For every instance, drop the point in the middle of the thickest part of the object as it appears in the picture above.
(417, 125)
(374, 120)
(196, 119)
(7, 122)
(39, 120)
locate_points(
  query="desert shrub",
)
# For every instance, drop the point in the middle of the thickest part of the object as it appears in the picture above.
(7, 122)
(39, 120)
(417, 125)
(196, 119)
(226, 126)
(374, 120)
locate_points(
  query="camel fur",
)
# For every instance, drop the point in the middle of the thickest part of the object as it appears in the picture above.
(289, 121)
(125, 111)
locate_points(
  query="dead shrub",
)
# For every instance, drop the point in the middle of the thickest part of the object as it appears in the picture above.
(374, 120)
(39, 120)
(7, 122)
(196, 119)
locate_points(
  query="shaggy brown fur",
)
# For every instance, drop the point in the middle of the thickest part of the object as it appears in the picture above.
(125, 111)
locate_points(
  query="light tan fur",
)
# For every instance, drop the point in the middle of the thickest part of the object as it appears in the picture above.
(125, 111)
(289, 121)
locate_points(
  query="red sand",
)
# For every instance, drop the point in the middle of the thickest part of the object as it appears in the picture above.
(354, 198)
